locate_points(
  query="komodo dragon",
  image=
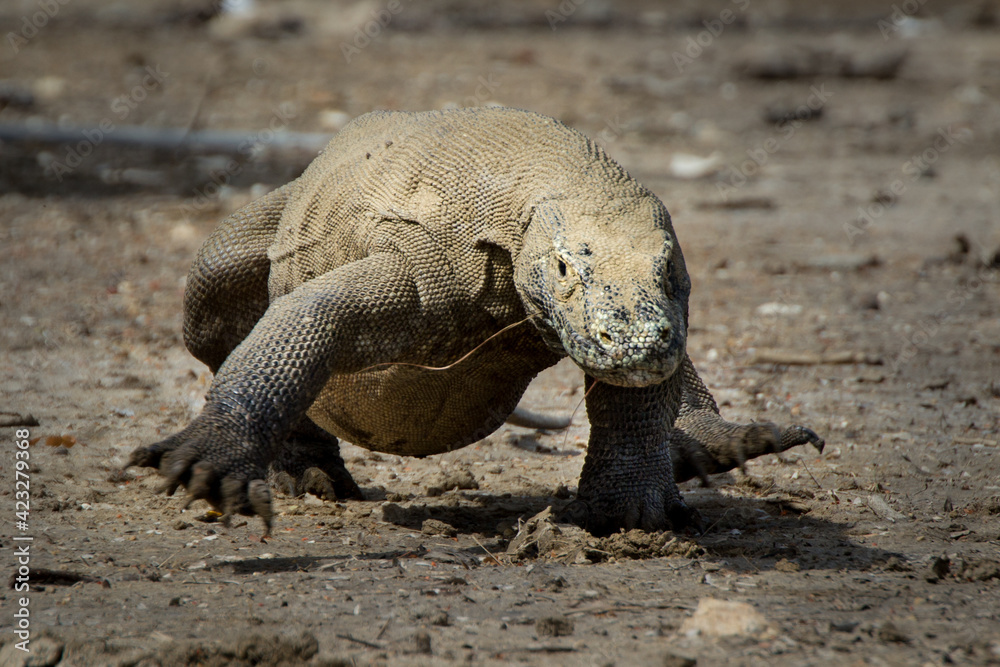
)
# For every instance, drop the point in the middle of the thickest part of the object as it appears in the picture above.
(499, 238)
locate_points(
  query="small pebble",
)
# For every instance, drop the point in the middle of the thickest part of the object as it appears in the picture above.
(888, 632)
(554, 626)
(422, 642)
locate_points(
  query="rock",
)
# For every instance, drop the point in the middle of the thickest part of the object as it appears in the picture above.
(43, 652)
(979, 570)
(776, 308)
(843, 626)
(785, 565)
(16, 97)
(894, 564)
(888, 632)
(451, 479)
(333, 119)
(674, 660)
(435, 527)
(938, 570)
(878, 505)
(718, 618)
(554, 626)
(422, 642)
(691, 167)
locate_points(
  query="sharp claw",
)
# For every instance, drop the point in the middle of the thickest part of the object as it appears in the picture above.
(683, 517)
(260, 502)
(139, 458)
(800, 435)
(202, 476)
(169, 487)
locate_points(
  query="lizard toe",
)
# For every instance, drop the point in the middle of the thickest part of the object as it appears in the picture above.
(337, 486)
(150, 456)
(201, 484)
(259, 496)
(800, 435)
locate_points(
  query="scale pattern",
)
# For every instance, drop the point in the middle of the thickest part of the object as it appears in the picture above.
(497, 237)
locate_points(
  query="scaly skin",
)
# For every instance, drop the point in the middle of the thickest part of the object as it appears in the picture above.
(412, 240)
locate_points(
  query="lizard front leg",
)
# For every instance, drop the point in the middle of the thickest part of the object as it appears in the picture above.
(628, 476)
(704, 443)
(336, 323)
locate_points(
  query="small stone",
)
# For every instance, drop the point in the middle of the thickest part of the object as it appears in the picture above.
(435, 527)
(674, 660)
(718, 618)
(557, 584)
(843, 626)
(506, 529)
(785, 565)
(888, 632)
(422, 642)
(553, 626)
(938, 570)
(333, 119)
(894, 564)
(453, 479)
(44, 652)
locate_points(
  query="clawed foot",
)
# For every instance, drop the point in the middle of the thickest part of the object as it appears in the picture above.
(698, 449)
(800, 435)
(596, 518)
(214, 465)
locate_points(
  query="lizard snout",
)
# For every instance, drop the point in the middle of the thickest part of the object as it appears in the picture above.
(632, 341)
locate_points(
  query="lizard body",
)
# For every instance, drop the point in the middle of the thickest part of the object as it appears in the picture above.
(412, 240)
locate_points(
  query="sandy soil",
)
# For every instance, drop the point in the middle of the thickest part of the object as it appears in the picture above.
(845, 215)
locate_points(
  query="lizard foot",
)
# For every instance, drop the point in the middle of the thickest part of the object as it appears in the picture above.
(603, 507)
(709, 445)
(678, 517)
(215, 464)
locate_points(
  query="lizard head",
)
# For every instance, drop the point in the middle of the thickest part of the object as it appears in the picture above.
(608, 287)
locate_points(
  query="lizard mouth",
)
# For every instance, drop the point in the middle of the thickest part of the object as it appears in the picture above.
(621, 365)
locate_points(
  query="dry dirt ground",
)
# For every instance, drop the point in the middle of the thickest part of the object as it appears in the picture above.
(833, 174)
